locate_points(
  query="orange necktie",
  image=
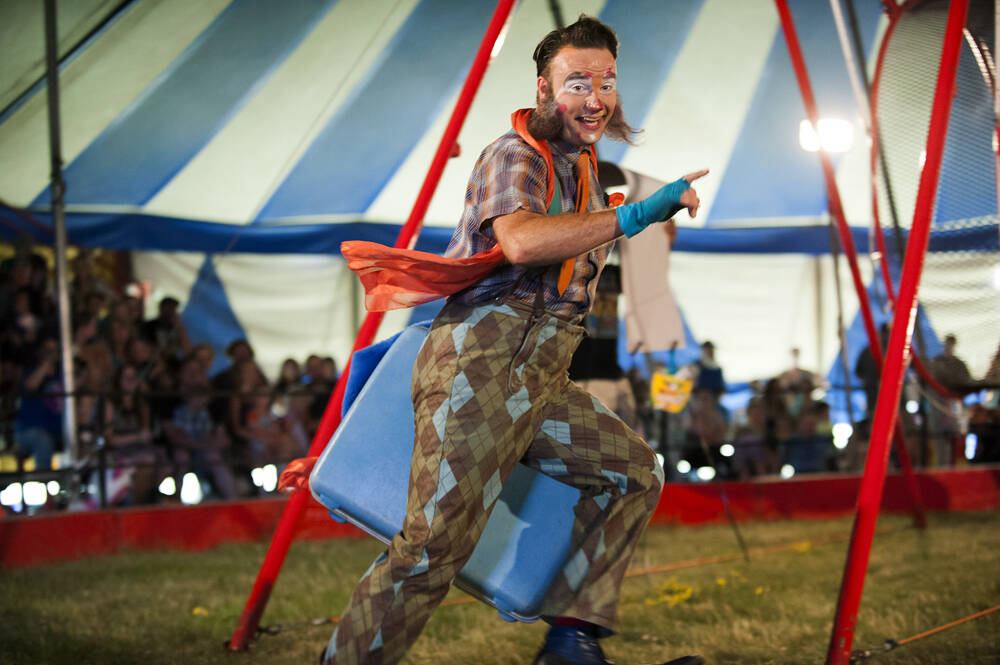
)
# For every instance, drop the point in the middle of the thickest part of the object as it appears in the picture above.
(582, 197)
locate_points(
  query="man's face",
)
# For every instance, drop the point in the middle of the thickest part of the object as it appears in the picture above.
(582, 84)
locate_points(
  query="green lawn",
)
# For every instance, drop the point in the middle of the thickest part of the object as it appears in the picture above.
(179, 607)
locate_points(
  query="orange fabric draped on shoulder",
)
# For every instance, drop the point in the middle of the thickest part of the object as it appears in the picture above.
(399, 278)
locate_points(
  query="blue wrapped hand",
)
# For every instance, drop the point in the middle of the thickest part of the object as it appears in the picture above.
(661, 205)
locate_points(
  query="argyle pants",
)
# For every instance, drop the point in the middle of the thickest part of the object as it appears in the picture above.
(490, 388)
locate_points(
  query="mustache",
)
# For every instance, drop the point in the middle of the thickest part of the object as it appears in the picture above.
(546, 124)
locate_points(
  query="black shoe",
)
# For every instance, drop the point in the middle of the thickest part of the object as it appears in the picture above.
(568, 645)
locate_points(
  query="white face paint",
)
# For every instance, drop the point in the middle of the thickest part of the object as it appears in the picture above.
(583, 87)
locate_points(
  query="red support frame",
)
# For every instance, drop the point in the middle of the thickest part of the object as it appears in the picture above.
(873, 480)
(846, 239)
(246, 627)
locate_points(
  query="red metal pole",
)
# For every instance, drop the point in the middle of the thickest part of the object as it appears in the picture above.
(846, 240)
(246, 628)
(872, 483)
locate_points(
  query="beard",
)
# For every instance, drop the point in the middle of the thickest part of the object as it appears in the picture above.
(546, 124)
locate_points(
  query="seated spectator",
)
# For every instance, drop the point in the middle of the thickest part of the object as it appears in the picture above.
(38, 426)
(167, 332)
(797, 385)
(129, 439)
(198, 443)
(810, 447)
(205, 355)
(706, 425)
(778, 424)
(751, 456)
(289, 377)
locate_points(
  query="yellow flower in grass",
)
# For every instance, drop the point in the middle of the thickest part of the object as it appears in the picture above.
(721, 581)
(804, 546)
(671, 592)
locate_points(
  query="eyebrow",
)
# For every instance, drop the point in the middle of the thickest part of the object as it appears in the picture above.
(584, 75)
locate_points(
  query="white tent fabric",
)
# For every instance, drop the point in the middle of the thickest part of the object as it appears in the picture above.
(231, 145)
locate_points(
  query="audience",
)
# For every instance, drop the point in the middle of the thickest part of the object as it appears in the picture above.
(149, 406)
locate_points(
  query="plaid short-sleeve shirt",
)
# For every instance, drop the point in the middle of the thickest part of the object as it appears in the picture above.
(510, 176)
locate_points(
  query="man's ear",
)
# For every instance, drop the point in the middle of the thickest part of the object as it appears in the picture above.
(543, 87)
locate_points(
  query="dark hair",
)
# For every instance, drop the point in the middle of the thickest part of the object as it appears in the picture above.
(587, 32)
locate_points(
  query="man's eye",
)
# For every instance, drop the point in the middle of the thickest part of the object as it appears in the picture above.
(608, 87)
(578, 88)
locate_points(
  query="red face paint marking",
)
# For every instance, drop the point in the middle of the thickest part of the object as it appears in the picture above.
(562, 108)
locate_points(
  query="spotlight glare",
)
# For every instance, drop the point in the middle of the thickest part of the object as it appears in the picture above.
(705, 473)
(190, 489)
(842, 434)
(971, 442)
(912, 406)
(168, 487)
(835, 135)
(787, 471)
(35, 493)
(727, 450)
(683, 466)
(659, 459)
(269, 481)
(53, 487)
(11, 495)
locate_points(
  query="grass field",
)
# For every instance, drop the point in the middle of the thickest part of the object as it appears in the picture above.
(179, 607)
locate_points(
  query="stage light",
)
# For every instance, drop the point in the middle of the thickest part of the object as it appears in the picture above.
(53, 487)
(706, 472)
(971, 442)
(842, 434)
(168, 487)
(11, 495)
(683, 466)
(727, 450)
(34, 493)
(257, 476)
(835, 135)
(191, 489)
(912, 406)
(787, 471)
(269, 478)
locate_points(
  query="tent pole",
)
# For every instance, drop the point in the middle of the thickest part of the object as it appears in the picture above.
(246, 627)
(846, 241)
(58, 190)
(904, 320)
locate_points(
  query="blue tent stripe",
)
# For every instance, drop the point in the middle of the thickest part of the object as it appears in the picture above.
(752, 185)
(190, 103)
(209, 315)
(149, 232)
(385, 116)
(652, 33)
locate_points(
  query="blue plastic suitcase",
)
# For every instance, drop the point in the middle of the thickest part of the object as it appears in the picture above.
(363, 475)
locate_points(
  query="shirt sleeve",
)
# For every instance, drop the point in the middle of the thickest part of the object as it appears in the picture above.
(513, 179)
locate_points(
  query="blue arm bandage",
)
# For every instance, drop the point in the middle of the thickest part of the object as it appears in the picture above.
(660, 206)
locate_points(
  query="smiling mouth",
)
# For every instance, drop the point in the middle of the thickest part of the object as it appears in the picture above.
(590, 121)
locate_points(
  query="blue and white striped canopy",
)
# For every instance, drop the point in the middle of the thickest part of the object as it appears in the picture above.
(233, 144)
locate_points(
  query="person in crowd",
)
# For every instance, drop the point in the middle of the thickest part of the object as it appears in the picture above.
(946, 413)
(707, 372)
(38, 427)
(198, 443)
(751, 456)
(809, 448)
(167, 331)
(289, 377)
(504, 344)
(706, 427)
(869, 372)
(798, 385)
(128, 436)
(778, 423)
